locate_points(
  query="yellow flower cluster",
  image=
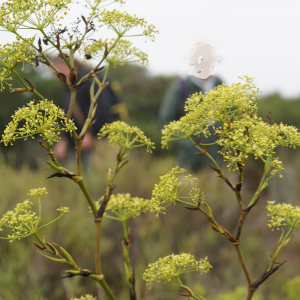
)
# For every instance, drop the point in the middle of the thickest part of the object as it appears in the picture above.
(283, 214)
(11, 54)
(43, 118)
(22, 221)
(37, 14)
(122, 22)
(64, 210)
(121, 53)
(85, 297)
(128, 137)
(123, 206)
(38, 192)
(242, 132)
(167, 190)
(173, 266)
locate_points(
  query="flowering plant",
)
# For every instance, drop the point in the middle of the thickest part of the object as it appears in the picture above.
(228, 111)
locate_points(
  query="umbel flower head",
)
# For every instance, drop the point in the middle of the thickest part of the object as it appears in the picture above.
(283, 214)
(43, 118)
(123, 52)
(11, 54)
(172, 266)
(203, 58)
(122, 22)
(36, 14)
(38, 192)
(128, 137)
(22, 220)
(123, 206)
(167, 190)
(242, 131)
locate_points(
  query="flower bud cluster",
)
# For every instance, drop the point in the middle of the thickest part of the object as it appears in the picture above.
(122, 22)
(123, 206)
(38, 14)
(64, 210)
(21, 220)
(121, 53)
(43, 118)
(128, 137)
(38, 192)
(167, 190)
(11, 54)
(172, 266)
(283, 214)
(242, 132)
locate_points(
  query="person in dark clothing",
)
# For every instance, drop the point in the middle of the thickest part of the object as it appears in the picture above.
(172, 109)
(103, 115)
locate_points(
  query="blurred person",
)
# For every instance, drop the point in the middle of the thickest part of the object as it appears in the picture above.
(172, 109)
(107, 111)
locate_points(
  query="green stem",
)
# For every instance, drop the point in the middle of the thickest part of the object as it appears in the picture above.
(106, 288)
(221, 174)
(125, 230)
(97, 245)
(88, 197)
(129, 273)
(108, 51)
(71, 104)
(98, 65)
(250, 294)
(279, 249)
(72, 61)
(25, 85)
(194, 205)
(242, 261)
(206, 154)
(196, 297)
(94, 98)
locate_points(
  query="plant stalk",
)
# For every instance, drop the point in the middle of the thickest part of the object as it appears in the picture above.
(242, 261)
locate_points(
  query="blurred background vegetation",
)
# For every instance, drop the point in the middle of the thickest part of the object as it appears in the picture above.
(27, 275)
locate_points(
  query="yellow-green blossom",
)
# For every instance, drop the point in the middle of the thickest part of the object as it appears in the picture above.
(11, 54)
(283, 214)
(123, 206)
(38, 192)
(37, 14)
(123, 52)
(239, 130)
(172, 266)
(167, 190)
(122, 22)
(128, 137)
(43, 118)
(22, 220)
(85, 297)
(64, 210)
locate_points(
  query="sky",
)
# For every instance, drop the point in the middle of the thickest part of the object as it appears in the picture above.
(258, 38)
